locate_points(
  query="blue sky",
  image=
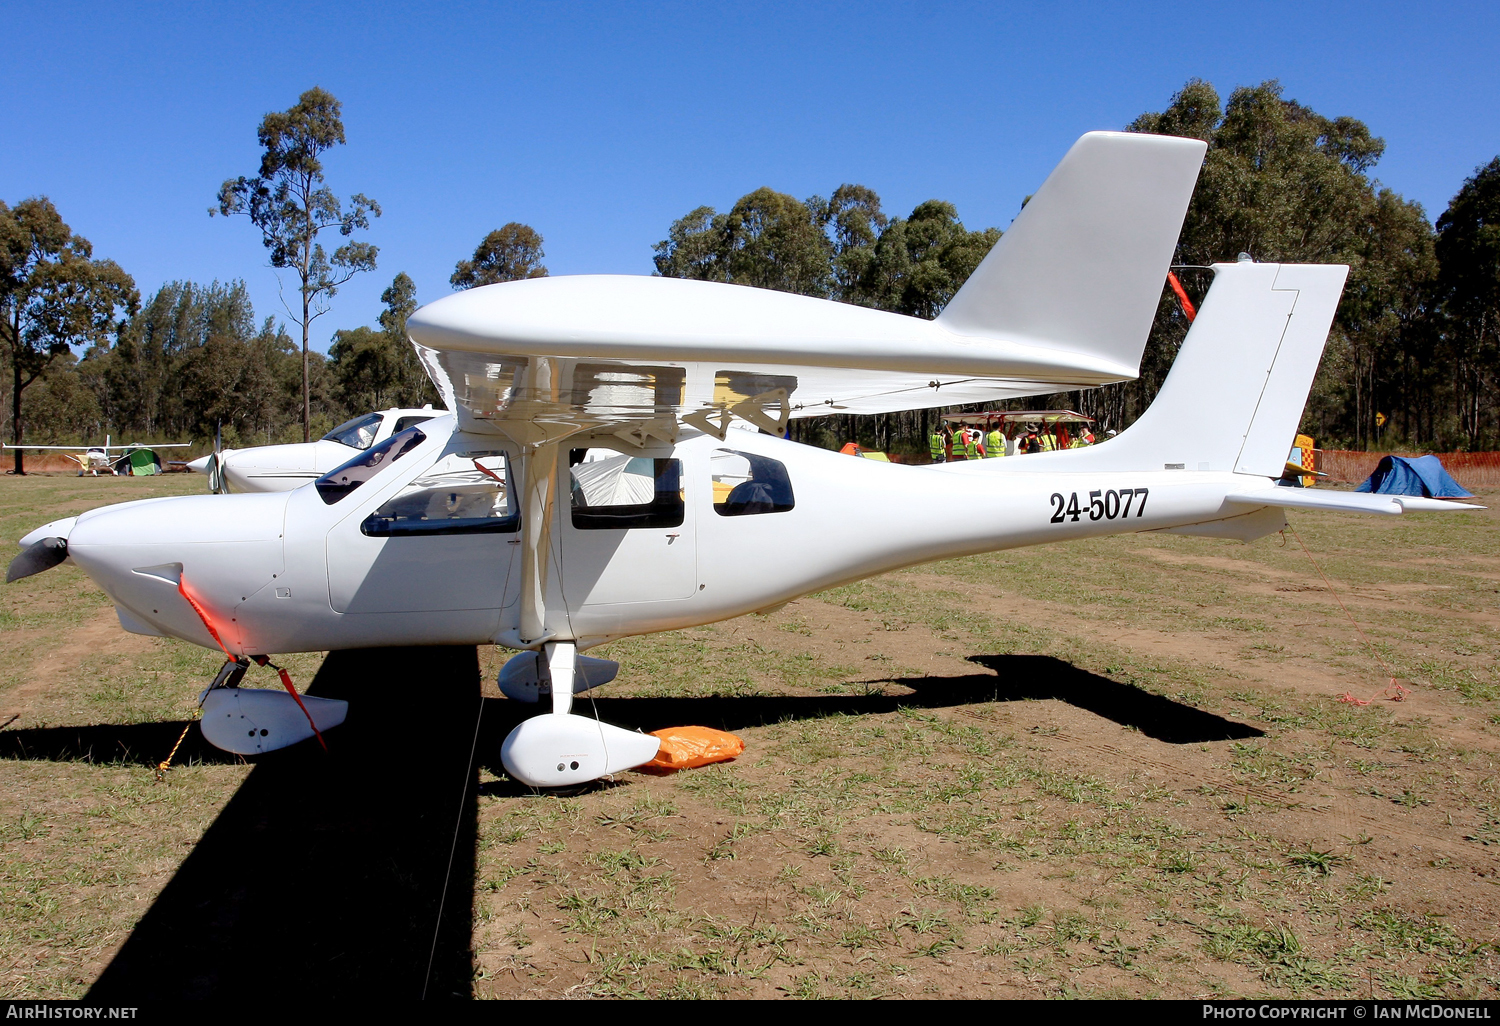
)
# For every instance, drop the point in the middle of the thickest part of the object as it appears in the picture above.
(599, 124)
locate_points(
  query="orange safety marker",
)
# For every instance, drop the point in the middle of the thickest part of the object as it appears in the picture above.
(202, 615)
(286, 682)
(1395, 691)
(286, 679)
(1182, 297)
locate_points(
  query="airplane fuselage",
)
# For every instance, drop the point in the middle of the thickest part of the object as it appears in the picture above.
(285, 572)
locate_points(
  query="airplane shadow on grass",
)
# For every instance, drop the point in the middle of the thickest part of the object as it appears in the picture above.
(1015, 678)
(1027, 677)
(322, 876)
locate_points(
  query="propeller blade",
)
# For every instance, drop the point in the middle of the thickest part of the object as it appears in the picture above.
(36, 557)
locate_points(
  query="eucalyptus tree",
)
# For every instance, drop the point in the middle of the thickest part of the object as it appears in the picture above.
(291, 204)
(378, 367)
(1468, 251)
(767, 239)
(1283, 182)
(509, 253)
(53, 295)
(853, 222)
(919, 262)
(414, 387)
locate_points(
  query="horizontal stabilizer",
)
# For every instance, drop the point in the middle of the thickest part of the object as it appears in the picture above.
(1346, 502)
(1082, 266)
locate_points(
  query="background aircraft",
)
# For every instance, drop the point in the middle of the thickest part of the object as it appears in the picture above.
(112, 458)
(280, 468)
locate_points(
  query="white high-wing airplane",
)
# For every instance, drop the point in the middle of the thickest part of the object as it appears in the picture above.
(588, 485)
(94, 458)
(280, 468)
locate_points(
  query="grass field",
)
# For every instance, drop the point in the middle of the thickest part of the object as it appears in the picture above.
(1115, 768)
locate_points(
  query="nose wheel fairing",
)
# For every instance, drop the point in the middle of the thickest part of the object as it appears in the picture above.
(252, 721)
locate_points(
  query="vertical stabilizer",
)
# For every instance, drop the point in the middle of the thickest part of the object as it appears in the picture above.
(1236, 391)
(1082, 266)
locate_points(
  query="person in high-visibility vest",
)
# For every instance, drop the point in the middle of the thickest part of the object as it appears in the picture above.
(971, 443)
(994, 442)
(1048, 440)
(956, 447)
(1031, 441)
(939, 446)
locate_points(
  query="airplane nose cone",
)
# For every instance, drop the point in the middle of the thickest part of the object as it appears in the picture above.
(200, 465)
(221, 548)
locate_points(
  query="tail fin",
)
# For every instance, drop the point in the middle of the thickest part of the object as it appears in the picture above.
(1081, 267)
(1235, 394)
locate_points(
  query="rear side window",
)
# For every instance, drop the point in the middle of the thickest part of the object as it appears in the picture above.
(358, 433)
(746, 484)
(612, 491)
(340, 481)
(463, 493)
(402, 423)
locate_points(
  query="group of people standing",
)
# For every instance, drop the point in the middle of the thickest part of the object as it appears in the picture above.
(968, 442)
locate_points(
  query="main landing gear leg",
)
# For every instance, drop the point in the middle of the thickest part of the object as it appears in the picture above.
(557, 749)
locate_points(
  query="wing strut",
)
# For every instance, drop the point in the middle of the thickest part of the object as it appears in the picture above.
(538, 506)
(539, 500)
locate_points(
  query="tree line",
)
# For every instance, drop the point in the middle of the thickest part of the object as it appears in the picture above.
(193, 360)
(1411, 362)
(1415, 345)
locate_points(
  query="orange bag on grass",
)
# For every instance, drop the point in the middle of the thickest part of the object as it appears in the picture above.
(689, 747)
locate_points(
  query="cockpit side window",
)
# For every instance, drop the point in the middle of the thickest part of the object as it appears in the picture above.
(612, 491)
(340, 481)
(358, 433)
(746, 484)
(463, 493)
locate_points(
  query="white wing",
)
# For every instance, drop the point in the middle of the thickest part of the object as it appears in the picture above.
(1064, 301)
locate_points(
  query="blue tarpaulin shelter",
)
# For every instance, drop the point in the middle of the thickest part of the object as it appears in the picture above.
(1397, 475)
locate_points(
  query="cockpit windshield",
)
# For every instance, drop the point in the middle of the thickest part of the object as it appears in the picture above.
(340, 481)
(358, 433)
